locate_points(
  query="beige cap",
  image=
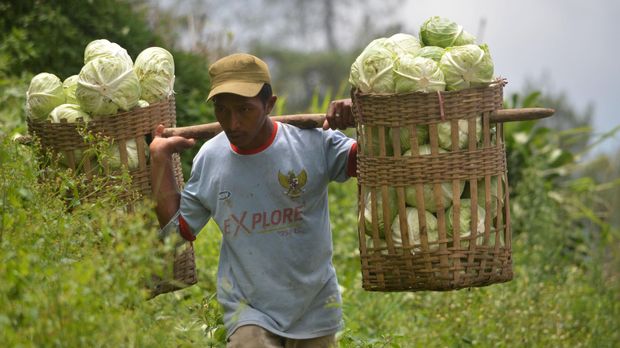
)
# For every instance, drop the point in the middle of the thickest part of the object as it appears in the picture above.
(240, 73)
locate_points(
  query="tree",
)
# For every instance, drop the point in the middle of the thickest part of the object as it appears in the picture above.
(51, 35)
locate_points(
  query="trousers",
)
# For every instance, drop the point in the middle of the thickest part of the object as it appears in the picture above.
(253, 336)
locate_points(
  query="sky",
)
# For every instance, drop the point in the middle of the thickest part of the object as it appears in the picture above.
(569, 46)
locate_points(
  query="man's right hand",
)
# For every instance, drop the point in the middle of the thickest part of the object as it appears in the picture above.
(161, 146)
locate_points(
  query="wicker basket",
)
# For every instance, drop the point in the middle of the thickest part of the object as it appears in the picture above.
(135, 125)
(67, 140)
(412, 249)
(183, 272)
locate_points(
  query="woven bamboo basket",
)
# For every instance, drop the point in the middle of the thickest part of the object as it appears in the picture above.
(67, 140)
(123, 128)
(447, 223)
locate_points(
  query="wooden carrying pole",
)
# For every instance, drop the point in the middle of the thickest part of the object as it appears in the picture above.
(209, 130)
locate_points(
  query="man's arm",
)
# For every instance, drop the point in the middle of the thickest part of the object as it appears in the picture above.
(163, 182)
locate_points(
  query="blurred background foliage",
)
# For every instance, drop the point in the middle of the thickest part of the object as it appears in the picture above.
(75, 277)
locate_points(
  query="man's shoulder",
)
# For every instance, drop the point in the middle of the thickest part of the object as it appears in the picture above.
(213, 147)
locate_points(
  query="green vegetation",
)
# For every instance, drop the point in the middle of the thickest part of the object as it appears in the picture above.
(73, 269)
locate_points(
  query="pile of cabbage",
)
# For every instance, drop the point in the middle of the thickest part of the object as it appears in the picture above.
(444, 57)
(108, 83)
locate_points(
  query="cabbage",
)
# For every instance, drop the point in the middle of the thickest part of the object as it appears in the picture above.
(467, 66)
(69, 112)
(494, 197)
(155, 69)
(442, 32)
(465, 225)
(44, 94)
(69, 86)
(405, 137)
(465, 219)
(376, 151)
(417, 74)
(444, 133)
(104, 48)
(402, 44)
(413, 223)
(432, 52)
(372, 70)
(106, 85)
(381, 245)
(393, 206)
(114, 156)
(428, 189)
(143, 103)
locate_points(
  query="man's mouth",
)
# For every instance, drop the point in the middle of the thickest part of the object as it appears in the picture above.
(234, 136)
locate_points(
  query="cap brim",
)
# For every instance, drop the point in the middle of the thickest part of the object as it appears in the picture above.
(244, 89)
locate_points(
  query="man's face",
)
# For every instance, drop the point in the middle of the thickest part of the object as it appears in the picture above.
(243, 119)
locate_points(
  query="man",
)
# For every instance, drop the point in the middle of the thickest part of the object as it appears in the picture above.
(265, 184)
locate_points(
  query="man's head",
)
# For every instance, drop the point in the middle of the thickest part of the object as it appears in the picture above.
(241, 92)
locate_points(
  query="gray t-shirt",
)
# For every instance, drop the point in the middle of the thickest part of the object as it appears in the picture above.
(275, 267)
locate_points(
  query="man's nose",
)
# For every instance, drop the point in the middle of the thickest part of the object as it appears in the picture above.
(235, 120)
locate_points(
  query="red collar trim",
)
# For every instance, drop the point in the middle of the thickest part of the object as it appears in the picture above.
(260, 148)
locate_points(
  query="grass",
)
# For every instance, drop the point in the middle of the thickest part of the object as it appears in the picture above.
(74, 277)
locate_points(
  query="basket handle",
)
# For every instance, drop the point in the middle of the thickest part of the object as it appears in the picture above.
(306, 121)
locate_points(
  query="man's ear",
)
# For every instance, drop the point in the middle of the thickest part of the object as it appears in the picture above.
(270, 104)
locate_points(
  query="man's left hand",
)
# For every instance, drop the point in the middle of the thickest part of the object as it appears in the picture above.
(339, 115)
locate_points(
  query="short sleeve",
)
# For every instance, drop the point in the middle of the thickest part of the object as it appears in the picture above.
(338, 151)
(193, 211)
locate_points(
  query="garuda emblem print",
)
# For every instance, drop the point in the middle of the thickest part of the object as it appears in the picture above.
(293, 183)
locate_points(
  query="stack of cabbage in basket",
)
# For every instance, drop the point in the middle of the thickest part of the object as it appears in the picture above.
(108, 83)
(444, 58)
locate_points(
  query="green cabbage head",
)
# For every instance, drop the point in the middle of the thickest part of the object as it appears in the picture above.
(69, 85)
(376, 151)
(106, 86)
(71, 113)
(442, 32)
(104, 48)
(467, 66)
(444, 134)
(432, 52)
(413, 223)
(465, 221)
(44, 94)
(430, 203)
(405, 137)
(155, 69)
(402, 43)
(417, 74)
(494, 197)
(393, 207)
(372, 70)
(465, 218)
(114, 156)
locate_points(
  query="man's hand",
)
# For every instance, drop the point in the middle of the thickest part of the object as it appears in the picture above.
(161, 146)
(339, 115)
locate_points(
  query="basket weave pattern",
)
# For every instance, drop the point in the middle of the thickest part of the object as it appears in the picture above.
(459, 256)
(65, 138)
